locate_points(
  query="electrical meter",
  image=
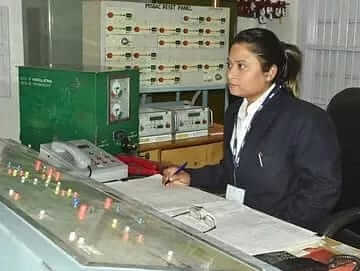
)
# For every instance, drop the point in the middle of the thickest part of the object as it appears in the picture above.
(63, 103)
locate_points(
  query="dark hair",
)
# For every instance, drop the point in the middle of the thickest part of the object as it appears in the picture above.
(294, 60)
(270, 51)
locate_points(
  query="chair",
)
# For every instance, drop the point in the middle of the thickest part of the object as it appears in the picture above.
(344, 109)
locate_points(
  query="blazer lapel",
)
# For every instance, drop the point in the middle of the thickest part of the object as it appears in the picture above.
(230, 124)
(263, 120)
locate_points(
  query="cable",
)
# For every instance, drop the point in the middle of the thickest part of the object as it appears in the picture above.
(90, 171)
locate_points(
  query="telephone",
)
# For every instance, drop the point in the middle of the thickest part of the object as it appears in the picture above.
(84, 159)
(71, 153)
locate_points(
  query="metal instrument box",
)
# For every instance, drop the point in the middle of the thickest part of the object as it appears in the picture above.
(155, 125)
(67, 103)
(188, 120)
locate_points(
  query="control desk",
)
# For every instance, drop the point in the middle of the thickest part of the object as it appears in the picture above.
(52, 221)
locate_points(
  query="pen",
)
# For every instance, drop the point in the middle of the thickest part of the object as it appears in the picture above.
(260, 159)
(180, 168)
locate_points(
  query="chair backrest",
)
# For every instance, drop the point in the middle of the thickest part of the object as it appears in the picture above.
(344, 109)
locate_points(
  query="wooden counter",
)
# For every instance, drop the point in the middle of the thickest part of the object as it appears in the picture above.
(198, 151)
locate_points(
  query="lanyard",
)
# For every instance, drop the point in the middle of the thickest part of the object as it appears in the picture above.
(235, 153)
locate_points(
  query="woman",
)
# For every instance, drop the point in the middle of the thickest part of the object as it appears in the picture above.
(282, 152)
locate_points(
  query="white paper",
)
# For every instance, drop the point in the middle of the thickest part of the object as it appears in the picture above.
(255, 232)
(174, 199)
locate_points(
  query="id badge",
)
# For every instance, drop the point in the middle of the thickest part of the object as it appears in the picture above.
(235, 193)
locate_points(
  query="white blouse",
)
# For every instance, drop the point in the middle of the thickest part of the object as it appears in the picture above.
(243, 123)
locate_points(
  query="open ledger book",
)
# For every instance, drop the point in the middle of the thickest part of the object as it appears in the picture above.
(235, 224)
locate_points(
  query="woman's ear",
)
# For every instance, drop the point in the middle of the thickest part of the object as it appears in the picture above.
(271, 73)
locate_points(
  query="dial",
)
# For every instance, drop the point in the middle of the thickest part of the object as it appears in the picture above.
(124, 41)
(116, 110)
(116, 88)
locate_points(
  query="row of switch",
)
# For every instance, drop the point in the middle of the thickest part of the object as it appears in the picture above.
(186, 42)
(176, 67)
(126, 41)
(177, 79)
(209, 31)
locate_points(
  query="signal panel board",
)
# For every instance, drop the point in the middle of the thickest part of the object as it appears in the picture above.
(175, 47)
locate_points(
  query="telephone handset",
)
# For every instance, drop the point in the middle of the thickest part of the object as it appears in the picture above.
(72, 154)
(82, 158)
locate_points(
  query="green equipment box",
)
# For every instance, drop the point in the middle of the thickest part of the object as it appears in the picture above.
(99, 104)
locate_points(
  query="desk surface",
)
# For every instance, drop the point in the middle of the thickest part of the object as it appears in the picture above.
(252, 227)
(228, 214)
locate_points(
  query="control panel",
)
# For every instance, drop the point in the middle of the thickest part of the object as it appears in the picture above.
(175, 47)
(55, 221)
(155, 124)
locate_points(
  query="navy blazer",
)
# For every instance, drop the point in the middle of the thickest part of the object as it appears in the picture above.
(299, 177)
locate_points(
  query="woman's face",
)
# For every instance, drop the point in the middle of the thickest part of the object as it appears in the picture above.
(245, 76)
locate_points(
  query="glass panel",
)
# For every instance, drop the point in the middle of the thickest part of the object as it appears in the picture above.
(97, 228)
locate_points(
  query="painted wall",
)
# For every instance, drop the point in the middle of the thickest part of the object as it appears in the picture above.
(9, 106)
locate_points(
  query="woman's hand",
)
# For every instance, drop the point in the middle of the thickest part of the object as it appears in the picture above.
(169, 178)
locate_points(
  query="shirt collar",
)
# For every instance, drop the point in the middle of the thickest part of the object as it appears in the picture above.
(247, 108)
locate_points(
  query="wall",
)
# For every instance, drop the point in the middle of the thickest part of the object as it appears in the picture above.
(9, 106)
(286, 28)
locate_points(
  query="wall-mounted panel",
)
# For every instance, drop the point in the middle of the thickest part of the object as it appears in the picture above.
(175, 47)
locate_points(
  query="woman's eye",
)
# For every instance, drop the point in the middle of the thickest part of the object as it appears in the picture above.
(239, 66)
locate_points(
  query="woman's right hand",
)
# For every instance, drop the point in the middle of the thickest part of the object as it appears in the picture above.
(169, 178)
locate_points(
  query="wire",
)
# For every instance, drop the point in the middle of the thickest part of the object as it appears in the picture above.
(90, 171)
